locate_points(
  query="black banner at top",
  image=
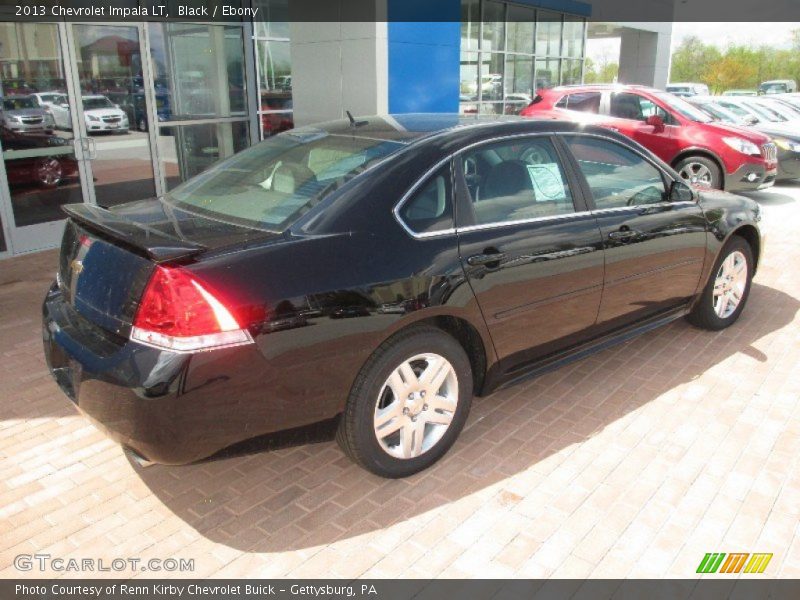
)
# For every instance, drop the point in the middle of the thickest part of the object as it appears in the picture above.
(322, 11)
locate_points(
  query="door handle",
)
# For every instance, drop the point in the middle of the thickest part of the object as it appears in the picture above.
(485, 259)
(623, 234)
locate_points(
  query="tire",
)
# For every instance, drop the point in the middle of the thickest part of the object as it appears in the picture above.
(709, 313)
(372, 404)
(695, 169)
(49, 172)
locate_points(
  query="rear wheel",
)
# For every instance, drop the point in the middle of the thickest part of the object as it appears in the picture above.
(727, 289)
(699, 169)
(408, 404)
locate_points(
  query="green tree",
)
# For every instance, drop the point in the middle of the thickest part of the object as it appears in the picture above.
(692, 58)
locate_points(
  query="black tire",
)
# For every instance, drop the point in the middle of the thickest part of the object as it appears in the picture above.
(703, 314)
(356, 434)
(700, 165)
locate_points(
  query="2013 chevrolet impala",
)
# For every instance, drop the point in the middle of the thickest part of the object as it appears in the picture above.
(382, 270)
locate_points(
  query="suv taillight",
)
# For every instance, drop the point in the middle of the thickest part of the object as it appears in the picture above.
(178, 313)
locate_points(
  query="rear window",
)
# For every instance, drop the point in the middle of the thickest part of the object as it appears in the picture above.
(272, 184)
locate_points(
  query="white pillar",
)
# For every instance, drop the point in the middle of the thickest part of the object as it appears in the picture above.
(645, 55)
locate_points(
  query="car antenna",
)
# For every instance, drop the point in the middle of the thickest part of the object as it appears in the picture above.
(353, 122)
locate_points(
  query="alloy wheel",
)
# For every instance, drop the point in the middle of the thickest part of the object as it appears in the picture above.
(695, 172)
(416, 405)
(730, 284)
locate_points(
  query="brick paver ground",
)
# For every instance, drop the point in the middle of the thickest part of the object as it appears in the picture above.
(634, 462)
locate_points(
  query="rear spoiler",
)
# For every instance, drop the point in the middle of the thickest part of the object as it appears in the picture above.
(156, 245)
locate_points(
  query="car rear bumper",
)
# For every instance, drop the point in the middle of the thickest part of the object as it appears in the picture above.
(169, 408)
(751, 176)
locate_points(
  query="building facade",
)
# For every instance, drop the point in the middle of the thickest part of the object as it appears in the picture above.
(106, 113)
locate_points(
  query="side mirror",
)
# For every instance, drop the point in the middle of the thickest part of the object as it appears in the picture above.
(681, 192)
(655, 122)
(750, 120)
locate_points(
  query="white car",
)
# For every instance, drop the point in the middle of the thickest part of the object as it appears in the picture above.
(47, 99)
(99, 113)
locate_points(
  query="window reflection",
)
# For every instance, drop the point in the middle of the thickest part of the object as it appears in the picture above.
(274, 63)
(198, 70)
(522, 49)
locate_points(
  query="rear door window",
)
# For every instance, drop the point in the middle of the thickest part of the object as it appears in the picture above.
(430, 208)
(581, 102)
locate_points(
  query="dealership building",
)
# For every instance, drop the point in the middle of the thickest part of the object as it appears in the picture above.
(111, 112)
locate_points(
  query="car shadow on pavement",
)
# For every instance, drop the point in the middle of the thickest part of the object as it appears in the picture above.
(298, 495)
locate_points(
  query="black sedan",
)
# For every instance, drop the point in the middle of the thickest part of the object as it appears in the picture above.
(382, 270)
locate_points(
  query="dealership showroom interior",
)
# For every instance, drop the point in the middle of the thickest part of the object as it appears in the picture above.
(372, 297)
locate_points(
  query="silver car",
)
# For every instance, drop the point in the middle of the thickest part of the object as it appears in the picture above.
(23, 114)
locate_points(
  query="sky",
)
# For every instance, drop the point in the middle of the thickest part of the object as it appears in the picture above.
(720, 34)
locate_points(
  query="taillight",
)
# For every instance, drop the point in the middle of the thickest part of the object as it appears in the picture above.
(180, 314)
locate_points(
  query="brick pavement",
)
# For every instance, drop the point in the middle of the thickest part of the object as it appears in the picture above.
(634, 462)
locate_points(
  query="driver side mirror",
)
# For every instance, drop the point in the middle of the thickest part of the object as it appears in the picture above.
(750, 120)
(681, 192)
(656, 122)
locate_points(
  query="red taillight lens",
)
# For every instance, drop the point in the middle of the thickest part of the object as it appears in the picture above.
(179, 313)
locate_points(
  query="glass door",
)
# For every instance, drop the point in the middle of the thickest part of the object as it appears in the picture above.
(113, 104)
(41, 157)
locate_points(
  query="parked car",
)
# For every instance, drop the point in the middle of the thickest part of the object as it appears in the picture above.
(170, 322)
(700, 149)
(46, 99)
(688, 89)
(740, 93)
(785, 136)
(778, 86)
(99, 113)
(46, 171)
(761, 110)
(22, 114)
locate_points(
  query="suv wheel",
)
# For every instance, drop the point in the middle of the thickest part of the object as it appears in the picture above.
(408, 403)
(699, 169)
(727, 289)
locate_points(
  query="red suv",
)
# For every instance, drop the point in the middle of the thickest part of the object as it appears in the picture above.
(701, 150)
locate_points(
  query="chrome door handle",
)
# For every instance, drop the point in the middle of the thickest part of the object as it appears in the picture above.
(485, 259)
(623, 234)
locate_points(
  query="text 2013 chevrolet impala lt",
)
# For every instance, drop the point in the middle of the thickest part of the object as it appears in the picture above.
(384, 270)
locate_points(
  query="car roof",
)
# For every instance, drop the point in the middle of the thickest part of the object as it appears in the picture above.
(601, 87)
(412, 127)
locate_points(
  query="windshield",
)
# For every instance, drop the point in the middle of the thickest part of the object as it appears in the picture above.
(90, 103)
(19, 103)
(774, 88)
(720, 113)
(683, 108)
(764, 112)
(785, 110)
(272, 184)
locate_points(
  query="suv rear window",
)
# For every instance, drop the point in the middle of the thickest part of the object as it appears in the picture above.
(272, 184)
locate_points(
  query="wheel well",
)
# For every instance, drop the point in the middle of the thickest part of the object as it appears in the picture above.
(749, 234)
(470, 340)
(704, 154)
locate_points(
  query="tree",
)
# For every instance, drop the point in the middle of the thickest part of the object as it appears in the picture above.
(692, 58)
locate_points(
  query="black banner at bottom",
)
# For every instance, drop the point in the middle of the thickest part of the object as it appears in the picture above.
(382, 589)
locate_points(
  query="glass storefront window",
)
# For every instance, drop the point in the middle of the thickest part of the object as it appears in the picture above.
(470, 20)
(548, 34)
(198, 70)
(274, 64)
(186, 150)
(573, 38)
(520, 50)
(273, 18)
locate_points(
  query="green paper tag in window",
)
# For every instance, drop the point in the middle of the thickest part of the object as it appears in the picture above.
(547, 182)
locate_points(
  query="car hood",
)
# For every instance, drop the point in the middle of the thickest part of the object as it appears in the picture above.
(104, 112)
(790, 130)
(739, 131)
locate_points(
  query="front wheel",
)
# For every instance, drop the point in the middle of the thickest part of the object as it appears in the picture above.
(727, 289)
(702, 170)
(49, 172)
(408, 404)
